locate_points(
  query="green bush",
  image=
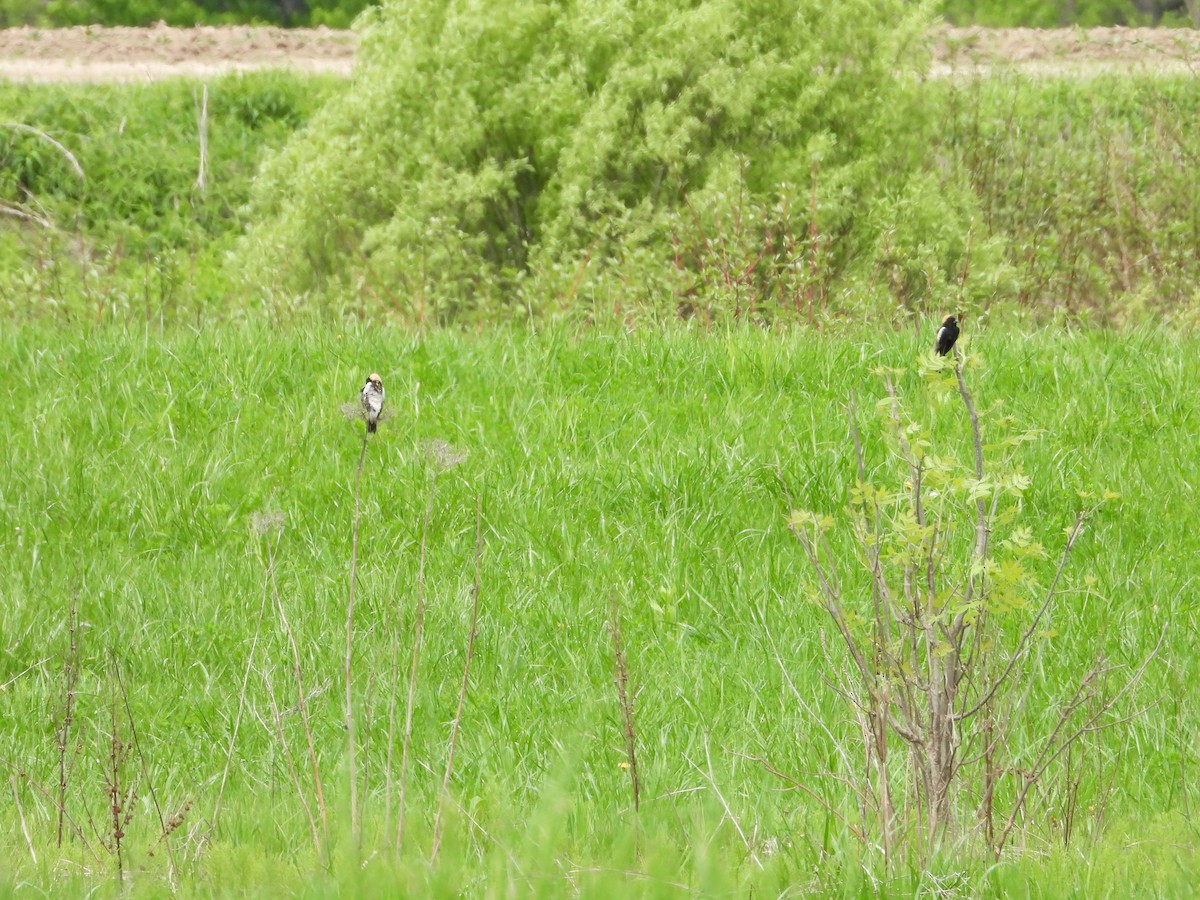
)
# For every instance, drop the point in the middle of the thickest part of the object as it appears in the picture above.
(522, 155)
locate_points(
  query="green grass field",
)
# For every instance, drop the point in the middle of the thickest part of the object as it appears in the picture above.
(645, 469)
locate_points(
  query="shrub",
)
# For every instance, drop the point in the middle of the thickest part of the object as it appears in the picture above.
(519, 156)
(941, 598)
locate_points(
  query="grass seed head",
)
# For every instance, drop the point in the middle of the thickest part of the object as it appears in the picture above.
(268, 521)
(442, 454)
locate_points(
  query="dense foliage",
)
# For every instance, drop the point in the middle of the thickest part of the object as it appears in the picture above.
(513, 163)
(1082, 188)
(1073, 196)
(523, 154)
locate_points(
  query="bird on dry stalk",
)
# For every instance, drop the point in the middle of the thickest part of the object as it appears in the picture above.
(946, 336)
(372, 401)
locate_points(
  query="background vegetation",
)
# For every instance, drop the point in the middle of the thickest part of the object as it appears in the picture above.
(1055, 196)
(340, 13)
(720, 161)
(136, 234)
(1064, 13)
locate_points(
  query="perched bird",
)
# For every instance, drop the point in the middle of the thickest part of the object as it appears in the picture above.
(946, 336)
(372, 400)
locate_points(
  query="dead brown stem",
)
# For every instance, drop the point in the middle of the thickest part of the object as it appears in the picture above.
(621, 680)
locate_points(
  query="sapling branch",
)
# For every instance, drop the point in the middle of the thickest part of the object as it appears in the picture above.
(1026, 635)
(920, 657)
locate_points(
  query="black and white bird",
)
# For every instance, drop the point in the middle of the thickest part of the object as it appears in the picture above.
(372, 400)
(946, 336)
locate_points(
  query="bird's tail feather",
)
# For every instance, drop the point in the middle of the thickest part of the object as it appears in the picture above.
(371, 426)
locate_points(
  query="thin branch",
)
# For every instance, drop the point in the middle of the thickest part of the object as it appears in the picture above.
(49, 797)
(803, 787)
(1023, 642)
(981, 519)
(137, 747)
(12, 780)
(833, 603)
(1046, 757)
(18, 126)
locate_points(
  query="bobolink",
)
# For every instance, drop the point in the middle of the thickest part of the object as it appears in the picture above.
(946, 336)
(372, 400)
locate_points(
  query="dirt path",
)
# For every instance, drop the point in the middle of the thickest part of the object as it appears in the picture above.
(143, 54)
(139, 54)
(1066, 51)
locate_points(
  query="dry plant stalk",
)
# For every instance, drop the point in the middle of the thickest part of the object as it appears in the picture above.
(258, 524)
(121, 794)
(462, 691)
(621, 680)
(165, 832)
(12, 781)
(50, 798)
(441, 457)
(37, 132)
(351, 747)
(289, 759)
(922, 667)
(62, 734)
(418, 629)
(202, 129)
(298, 673)
(391, 731)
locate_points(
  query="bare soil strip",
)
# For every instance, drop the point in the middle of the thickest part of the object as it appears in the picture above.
(142, 54)
(1066, 51)
(146, 54)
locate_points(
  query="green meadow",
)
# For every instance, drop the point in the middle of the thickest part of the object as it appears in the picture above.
(676, 536)
(187, 496)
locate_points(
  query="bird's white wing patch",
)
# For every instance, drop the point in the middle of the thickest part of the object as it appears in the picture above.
(373, 399)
